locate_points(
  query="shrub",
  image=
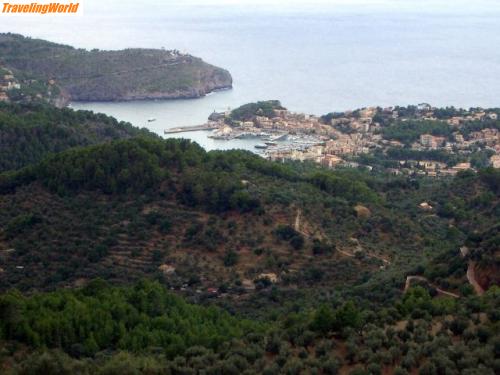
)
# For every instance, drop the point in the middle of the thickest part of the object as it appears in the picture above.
(230, 258)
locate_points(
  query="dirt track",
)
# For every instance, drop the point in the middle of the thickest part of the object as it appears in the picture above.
(421, 278)
(471, 277)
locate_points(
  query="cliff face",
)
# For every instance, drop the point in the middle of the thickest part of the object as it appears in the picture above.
(131, 74)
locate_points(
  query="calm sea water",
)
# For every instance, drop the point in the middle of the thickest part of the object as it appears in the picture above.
(314, 60)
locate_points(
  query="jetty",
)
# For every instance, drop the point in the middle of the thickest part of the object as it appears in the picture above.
(192, 128)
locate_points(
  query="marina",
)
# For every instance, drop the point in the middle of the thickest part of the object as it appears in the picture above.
(282, 133)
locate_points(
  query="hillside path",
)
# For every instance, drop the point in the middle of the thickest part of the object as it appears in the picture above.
(471, 277)
(297, 220)
(409, 279)
(471, 272)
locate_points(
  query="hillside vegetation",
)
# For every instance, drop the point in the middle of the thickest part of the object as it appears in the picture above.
(143, 329)
(29, 132)
(96, 75)
(143, 255)
(248, 111)
(123, 209)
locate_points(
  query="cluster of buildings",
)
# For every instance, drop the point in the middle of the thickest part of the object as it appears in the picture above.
(308, 137)
(429, 168)
(488, 138)
(282, 122)
(351, 134)
(347, 135)
(293, 123)
(474, 116)
(7, 83)
(428, 141)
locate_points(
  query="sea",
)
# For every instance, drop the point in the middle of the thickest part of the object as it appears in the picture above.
(315, 57)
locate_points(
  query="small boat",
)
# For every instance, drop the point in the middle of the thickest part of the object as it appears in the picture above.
(246, 135)
(271, 143)
(224, 137)
(279, 137)
(261, 146)
(152, 119)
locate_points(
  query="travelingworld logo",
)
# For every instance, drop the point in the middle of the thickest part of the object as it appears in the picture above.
(15, 7)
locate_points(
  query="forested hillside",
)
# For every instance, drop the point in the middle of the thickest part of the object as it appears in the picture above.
(124, 209)
(121, 210)
(95, 75)
(145, 255)
(29, 132)
(143, 329)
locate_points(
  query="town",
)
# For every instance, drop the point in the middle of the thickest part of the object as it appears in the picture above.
(421, 140)
(7, 83)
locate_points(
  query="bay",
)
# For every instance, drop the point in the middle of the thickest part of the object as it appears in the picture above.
(315, 59)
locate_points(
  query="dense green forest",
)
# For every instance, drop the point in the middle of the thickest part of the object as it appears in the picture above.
(125, 194)
(130, 254)
(99, 317)
(247, 112)
(145, 329)
(163, 190)
(95, 75)
(29, 132)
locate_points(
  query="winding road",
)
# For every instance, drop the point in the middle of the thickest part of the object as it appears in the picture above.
(409, 279)
(471, 278)
(471, 274)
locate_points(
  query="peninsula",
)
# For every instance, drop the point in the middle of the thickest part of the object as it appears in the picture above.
(38, 69)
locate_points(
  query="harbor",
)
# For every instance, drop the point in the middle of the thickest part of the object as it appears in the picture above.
(283, 133)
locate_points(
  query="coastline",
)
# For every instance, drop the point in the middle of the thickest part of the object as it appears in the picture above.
(159, 98)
